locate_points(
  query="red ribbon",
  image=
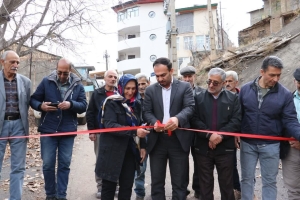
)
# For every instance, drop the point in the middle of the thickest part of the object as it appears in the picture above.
(126, 128)
(159, 124)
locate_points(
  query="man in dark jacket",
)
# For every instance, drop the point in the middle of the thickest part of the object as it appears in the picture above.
(189, 75)
(60, 96)
(93, 114)
(216, 109)
(267, 109)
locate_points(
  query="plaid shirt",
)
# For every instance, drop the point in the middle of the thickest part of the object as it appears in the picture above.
(260, 97)
(63, 87)
(12, 101)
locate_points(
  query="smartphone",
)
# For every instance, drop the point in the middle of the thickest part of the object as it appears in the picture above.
(53, 104)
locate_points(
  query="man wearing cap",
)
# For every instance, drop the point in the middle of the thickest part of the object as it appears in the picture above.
(267, 109)
(189, 75)
(291, 163)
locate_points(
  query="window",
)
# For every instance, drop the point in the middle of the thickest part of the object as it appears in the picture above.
(152, 37)
(180, 60)
(151, 14)
(121, 16)
(188, 42)
(200, 42)
(185, 23)
(184, 60)
(131, 36)
(152, 58)
(207, 42)
(129, 13)
(132, 12)
(131, 56)
(177, 43)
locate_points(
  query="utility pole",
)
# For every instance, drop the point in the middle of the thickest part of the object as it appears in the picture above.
(213, 51)
(106, 56)
(172, 36)
(30, 61)
(221, 27)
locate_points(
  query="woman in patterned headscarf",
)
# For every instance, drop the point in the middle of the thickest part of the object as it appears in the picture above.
(121, 153)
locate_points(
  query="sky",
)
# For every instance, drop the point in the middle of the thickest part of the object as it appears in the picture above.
(234, 17)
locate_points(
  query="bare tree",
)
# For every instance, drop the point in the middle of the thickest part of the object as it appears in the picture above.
(7, 7)
(35, 23)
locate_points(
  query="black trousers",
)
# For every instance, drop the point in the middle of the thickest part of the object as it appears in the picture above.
(168, 148)
(236, 177)
(125, 180)
(224, 166)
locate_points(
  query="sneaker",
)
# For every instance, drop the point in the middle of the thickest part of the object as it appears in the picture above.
(98, 195)
(237, 194)
(139, 198)
(51, 198)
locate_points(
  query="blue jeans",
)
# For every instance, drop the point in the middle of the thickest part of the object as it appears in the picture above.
(63, 146)
(140, 180)
(268, 156)
(18, 149)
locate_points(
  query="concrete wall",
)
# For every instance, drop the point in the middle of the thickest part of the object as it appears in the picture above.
(276, 24)
(256, 16)
(250, 35)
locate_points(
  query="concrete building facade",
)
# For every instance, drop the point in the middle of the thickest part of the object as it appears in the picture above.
(141, 35)
(142, 28)
(193, 32)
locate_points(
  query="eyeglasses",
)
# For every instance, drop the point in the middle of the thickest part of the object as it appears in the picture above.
(13, 62)
(59, 73)
(215, 83)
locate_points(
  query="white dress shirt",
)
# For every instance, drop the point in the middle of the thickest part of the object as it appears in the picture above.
(166, 96)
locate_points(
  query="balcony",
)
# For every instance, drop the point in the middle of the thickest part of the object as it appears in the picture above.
(129, 44)
(135, 21)
(132, 66)
(129, 33)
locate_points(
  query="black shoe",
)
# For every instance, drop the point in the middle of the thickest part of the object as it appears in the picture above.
(51, 198)
(196, 195)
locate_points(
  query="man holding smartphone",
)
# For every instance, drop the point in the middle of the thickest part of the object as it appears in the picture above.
(60, 96)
